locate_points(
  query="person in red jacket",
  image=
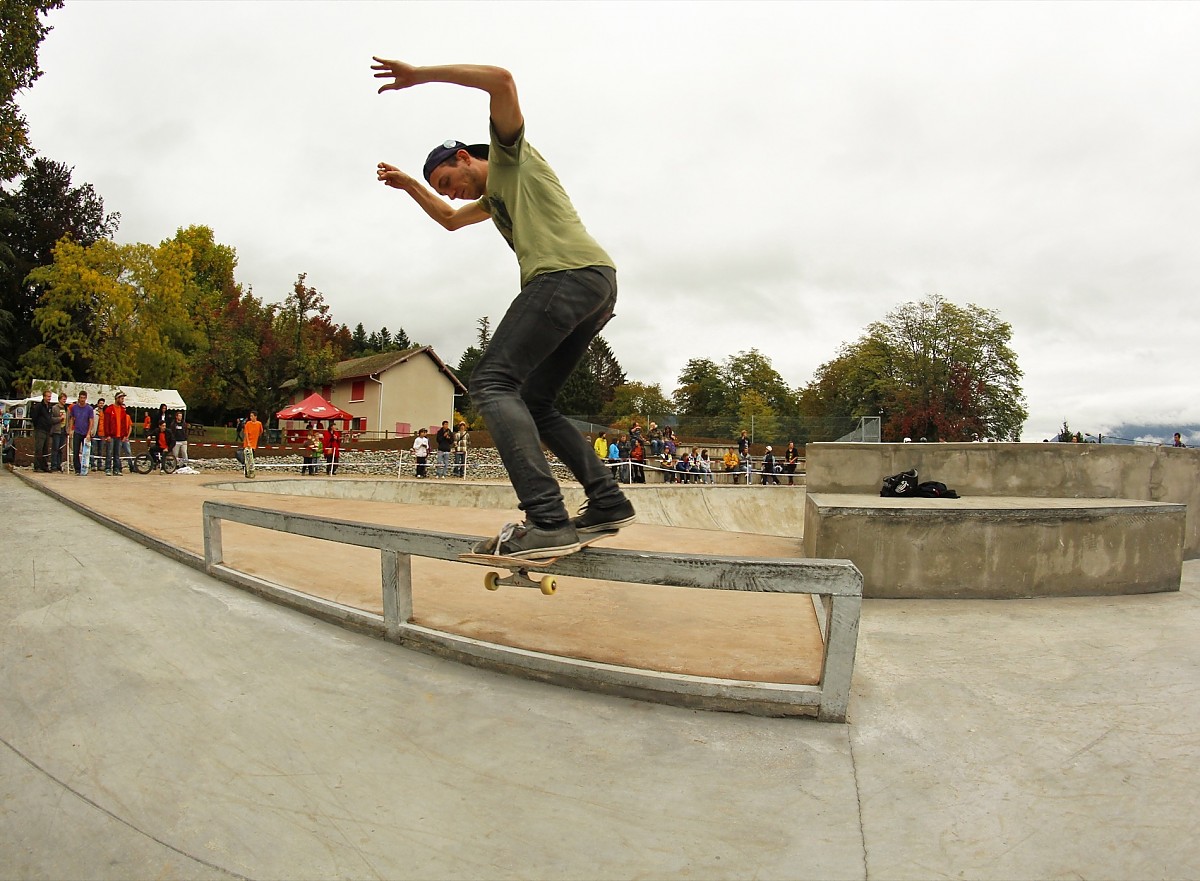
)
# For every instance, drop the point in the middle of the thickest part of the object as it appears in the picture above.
(117, 426)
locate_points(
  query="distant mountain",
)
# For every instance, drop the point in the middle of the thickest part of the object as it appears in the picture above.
(1153, 434)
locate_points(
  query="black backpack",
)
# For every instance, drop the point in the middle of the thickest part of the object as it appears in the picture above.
(932, 489)
(902, 484)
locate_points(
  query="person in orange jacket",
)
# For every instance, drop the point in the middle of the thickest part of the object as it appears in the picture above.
(118, 426)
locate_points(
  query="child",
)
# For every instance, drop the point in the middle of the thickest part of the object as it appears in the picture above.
(421, 450)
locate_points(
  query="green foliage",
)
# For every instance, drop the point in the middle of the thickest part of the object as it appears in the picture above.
(21, 33)
(591, 385)
(34, 217)
(112, 312)
(636, 402)
(930, 369)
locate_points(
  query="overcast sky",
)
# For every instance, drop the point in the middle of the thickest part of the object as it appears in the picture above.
(771, 176)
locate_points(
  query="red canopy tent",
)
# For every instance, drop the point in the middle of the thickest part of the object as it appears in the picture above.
(313, 407)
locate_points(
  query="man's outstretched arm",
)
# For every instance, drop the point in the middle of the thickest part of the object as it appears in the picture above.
(441, 211)
(505, 109)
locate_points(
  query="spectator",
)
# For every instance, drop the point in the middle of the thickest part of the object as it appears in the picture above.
(668, 466)
(420, 449)
(119, 427)
(791, 460)
(745, 460)
(623, 455)
(100, 442)
(179, 437)
(601, 445)
(462, 443)
(445, 446)
(83, 420)
(160, 418)
(251, 431)
(655, 435)
(58, 433)
(705, 467)
(160, 445)
(769, 472)
(614, 457)
(637, 455)
(731, 464)
(43, 426)
(1178, 440)
(683, 469)
(239, 449)
(316, 451)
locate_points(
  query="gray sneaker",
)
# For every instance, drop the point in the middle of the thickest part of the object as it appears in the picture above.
(593, 518)
(527, 542)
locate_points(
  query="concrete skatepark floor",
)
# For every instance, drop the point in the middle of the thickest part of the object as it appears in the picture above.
(157, 723)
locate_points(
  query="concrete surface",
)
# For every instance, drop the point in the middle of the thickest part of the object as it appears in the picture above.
(1091, 471)
(763, 637)
(156, 723)
(999, 547)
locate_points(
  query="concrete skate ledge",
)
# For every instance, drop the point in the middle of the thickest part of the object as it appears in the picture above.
(834, 585)
(997, 547)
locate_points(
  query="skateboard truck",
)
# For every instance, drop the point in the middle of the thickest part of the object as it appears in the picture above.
(519, 574)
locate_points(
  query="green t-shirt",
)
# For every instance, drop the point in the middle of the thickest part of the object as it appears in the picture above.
(534, 214)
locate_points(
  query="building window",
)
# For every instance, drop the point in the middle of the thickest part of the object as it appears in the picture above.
(327, 392)
(358, 390)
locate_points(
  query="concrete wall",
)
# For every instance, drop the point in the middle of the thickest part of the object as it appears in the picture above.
(1043, 470)
(760, 510)
(996, 547)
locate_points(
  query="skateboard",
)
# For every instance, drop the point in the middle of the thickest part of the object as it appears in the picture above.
(518, 569)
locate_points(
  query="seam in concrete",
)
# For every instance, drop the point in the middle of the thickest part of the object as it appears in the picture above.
(79, 795)
(862, 832)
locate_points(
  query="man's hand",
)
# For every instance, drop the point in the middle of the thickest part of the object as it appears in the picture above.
(403, 75)
(394, 177)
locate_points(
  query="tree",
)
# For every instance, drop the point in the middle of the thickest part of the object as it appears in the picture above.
(636, 402)
(757, 416)
(112, 313)
(593, 382)
(21, 33)
(931, 369)
(702, 399)
(469, 360)
(33, 218)
(312, 355)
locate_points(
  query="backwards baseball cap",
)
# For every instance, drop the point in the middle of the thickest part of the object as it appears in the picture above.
(446, 150)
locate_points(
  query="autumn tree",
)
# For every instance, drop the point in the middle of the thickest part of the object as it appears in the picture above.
(304, 321)
(112, 313)
(931, 369)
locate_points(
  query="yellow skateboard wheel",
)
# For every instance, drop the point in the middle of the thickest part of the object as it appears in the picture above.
(548, 585)
(491, 580)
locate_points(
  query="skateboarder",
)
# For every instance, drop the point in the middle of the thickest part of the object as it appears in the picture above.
(568, 292)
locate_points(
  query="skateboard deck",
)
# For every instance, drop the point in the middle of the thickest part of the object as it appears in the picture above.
(518, 569)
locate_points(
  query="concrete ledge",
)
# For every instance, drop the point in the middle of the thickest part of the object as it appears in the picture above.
(1084, 471)
(999, 547)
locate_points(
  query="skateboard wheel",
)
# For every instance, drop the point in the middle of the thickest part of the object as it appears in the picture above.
(548, 585)
(492, 581)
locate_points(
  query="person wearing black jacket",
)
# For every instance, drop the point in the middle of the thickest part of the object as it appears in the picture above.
(39, 415)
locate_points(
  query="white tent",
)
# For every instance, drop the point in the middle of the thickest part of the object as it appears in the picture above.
(135, 397)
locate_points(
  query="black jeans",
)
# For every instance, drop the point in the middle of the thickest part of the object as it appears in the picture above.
(541, 338)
